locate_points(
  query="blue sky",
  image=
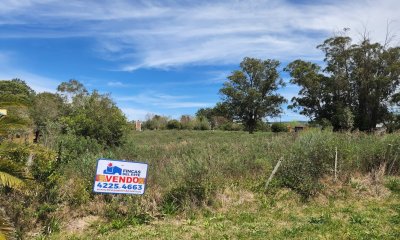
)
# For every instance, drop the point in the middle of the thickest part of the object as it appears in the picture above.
(171, 57)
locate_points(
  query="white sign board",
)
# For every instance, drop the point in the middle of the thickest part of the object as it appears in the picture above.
(120, 177)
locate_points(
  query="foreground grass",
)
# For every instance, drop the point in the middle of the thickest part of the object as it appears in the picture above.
(282, 215)
(209, 185)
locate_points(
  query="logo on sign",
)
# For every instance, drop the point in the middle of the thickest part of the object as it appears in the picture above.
(112, 169)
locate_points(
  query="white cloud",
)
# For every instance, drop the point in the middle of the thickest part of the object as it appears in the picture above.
(165, 101)
(115, 84)
(167, 34)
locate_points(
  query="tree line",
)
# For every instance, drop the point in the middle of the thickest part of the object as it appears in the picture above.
(71, 110)
(356, 87)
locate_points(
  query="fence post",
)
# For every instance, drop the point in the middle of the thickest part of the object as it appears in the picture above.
(273, 172)
(335, 164)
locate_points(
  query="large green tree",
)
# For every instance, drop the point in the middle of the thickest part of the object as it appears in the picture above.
(92, 114)
(355, 88)
(46, 111)
(250, 93)
(16, 97)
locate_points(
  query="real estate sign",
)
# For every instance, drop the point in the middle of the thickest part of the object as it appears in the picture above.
(120, 177)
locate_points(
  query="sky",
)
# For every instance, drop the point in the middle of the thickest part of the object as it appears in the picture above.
(171, 57)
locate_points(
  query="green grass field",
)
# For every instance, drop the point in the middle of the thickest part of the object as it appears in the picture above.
(243, 215)
(210, 185)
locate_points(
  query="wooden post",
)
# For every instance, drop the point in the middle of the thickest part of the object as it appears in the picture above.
(335, 164)
(273, 172)
(391, 166)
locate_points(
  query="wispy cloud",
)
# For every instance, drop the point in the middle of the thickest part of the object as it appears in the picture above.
(168, 34)
(163, 100)
(116, 84)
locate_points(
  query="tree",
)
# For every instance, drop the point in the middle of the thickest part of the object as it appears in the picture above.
(250, 93)
(155, 122)
(186, 122)
(71, 89)
(16, 97)
(93, 115)
(46, 111)
(173, 124)
(15, 91)
(355, 88)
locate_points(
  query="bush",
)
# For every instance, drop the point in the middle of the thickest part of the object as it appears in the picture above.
(393, 184)
(43, 163)
(192, 191)
(201, 124)
(72, 147)
(309, 158)
(279, 127)
(231, 126)
(17, 153)
(173, 124)
(263, 126)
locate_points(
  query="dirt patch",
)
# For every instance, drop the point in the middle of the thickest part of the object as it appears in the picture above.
(231, 198)
(80, 224)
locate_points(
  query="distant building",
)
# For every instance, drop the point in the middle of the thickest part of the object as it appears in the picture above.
(138, 125)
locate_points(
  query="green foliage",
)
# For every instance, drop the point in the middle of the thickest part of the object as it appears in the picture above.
(7, 231)
(16, 97)
(12, 165)
(155, 122)
(193, 190)
(201, 124)
(72, 147)
(393, 184)
(17, 153)
(72, 90)
(46, 110)
(43, 163)
(354, 88)
(263, 126)
(230, 126)
(187, 122)
(279, 127)
(343, 119)
(250, 93)
(96, 116)
(173, 124)
(308, 160)
(15, 91)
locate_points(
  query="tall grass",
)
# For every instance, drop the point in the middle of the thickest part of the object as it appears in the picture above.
(188, 168)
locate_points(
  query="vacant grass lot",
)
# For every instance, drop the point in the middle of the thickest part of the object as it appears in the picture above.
(210, 185)
(243, 215)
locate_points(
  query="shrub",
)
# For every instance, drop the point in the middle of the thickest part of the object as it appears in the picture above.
(43, 163)
(201, 124)
(193, 190)
(309, 158)
(231, 126)
(279, 127)
(173, 124)
(14, 152)
(393, 184)
(72, 147)
(263, 126)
